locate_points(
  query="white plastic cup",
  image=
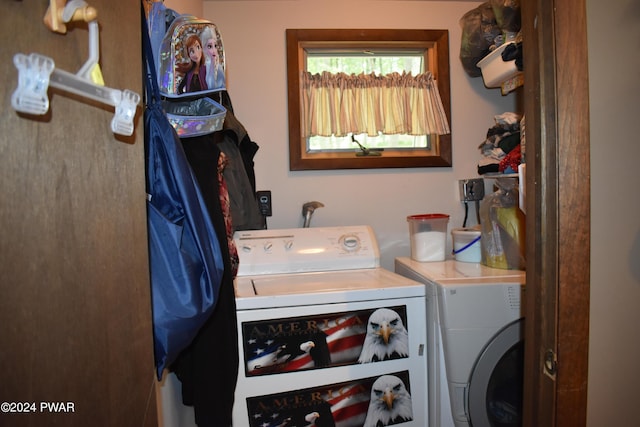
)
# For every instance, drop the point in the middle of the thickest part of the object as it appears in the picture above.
(428, 236)
(466, 244)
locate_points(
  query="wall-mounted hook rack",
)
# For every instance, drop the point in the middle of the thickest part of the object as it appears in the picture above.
(37, 72)
(58, 15)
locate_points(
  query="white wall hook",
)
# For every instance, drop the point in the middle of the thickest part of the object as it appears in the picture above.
(33, 81)
(37, 72)
(122, 122)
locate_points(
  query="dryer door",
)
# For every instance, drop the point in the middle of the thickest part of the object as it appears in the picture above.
(495, 388)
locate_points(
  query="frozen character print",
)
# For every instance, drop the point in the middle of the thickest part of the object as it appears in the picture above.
(215, 70)
(195, 72)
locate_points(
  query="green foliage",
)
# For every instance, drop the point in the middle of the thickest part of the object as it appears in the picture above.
(364, 63)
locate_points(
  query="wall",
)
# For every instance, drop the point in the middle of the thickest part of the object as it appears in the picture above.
(614, 87)
(193, 7)
(254, 41)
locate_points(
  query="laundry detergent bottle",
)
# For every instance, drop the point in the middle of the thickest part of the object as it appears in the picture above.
(503, 227)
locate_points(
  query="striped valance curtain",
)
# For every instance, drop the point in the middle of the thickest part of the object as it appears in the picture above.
(341, 104)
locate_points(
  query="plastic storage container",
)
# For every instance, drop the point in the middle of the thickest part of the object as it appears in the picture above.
(466, 244)
(503, 227)
(428, 236)
(195, 118)
(494, 69)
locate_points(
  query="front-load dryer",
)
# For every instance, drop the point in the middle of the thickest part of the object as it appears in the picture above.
(326, 336)
(475, 321)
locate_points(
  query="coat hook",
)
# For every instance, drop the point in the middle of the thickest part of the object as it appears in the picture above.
(58, 14)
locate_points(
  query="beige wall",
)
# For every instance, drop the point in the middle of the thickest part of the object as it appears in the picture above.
(253, 33)
(193, 7)
(614, 87)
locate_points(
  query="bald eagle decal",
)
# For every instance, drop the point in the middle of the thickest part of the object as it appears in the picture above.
(390, 403)
(314, 344)
(320, 416)
(386, 337)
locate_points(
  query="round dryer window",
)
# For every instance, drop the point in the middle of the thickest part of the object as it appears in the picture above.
(495, 388)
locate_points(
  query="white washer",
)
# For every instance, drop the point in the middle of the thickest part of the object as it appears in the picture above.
(474, 327)
(307, 304)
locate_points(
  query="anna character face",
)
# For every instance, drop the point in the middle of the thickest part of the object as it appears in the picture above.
(194, 49)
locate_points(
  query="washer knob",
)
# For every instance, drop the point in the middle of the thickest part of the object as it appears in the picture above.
(350, 242)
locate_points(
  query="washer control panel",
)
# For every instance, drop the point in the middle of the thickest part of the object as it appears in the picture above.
(306, 249)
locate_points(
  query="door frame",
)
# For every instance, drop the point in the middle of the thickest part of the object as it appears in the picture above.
(558, 210)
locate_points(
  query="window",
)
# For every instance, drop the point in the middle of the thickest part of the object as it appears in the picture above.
(378, 56)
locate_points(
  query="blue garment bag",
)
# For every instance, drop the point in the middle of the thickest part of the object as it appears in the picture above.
(185, 259)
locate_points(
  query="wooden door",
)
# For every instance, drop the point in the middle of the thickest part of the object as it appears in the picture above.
(75, 317)
(558, 212)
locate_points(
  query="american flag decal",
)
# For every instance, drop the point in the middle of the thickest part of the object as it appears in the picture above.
(337, 405)
(310, 342)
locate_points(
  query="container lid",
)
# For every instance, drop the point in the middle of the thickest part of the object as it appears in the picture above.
(466, 231)
(427, 217)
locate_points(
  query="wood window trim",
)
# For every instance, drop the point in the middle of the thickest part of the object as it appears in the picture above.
(440, 155)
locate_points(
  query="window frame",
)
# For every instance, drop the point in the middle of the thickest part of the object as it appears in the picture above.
(437, 41)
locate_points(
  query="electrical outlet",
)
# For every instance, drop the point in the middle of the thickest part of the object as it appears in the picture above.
(471, 189)
(264, 202)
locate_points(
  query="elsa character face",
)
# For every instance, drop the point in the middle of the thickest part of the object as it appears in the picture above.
(210, 45)
(215, 70)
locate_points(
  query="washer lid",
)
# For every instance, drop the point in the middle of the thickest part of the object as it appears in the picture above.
(284, 290)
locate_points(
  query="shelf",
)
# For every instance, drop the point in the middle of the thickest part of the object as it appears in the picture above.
(494, 175)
